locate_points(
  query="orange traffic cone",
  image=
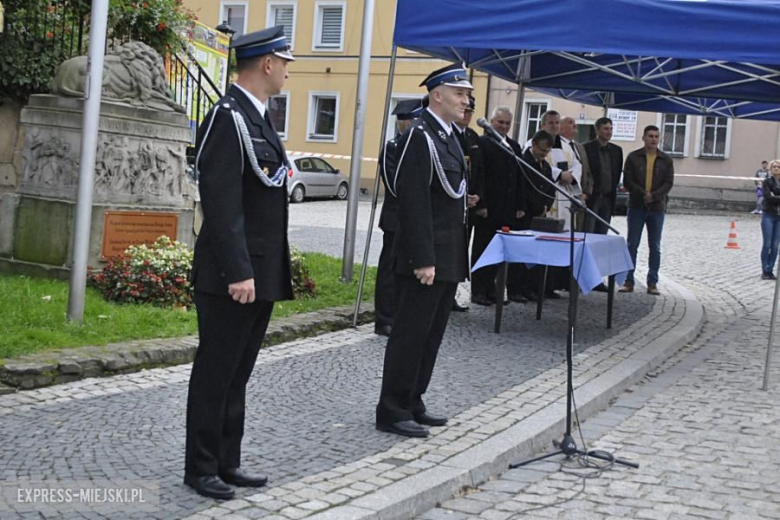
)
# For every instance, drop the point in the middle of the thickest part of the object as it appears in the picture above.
(731, 243)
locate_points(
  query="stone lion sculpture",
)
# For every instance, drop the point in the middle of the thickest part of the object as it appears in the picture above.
(132, 73)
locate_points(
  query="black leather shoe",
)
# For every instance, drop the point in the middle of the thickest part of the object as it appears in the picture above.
(481, 300)
(239, 477)
(456, 307)
(531, 296)
(430, 420)
(601, 288)
(405, 428)
(210, 486)
(384, 330)
(517, 298)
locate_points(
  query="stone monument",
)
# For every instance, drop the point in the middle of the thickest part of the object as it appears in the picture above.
(140, 163)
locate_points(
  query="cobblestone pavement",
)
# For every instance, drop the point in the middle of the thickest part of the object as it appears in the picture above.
(310, 414)
(319, 226)
(700, 427)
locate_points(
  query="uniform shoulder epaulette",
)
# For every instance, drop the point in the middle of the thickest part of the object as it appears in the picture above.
(227, 102)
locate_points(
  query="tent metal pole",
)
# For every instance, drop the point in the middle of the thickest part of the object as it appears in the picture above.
(356, 162)
(382, 140)
(89, 138)
(771, 341)
(519, 112)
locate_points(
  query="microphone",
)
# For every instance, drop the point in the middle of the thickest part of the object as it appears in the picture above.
(489, 130)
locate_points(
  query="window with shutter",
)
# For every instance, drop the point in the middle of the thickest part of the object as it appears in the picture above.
(330, 26)
(284, 15)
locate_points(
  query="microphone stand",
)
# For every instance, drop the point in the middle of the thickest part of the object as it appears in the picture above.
(567, 445)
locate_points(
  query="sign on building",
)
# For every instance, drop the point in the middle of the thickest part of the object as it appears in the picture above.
(623, 124)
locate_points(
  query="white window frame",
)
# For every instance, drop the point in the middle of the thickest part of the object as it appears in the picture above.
(316, 43)
(283, 134)
(229, 3)
(270, 19)
(313, 94)
(524, 126)
(700, 137)
(659, 122)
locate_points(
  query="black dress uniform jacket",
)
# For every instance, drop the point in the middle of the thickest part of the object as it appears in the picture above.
(388, 164)
(431, 229)
(244, 232)
(431, 232)
(384, 291)
(244, 236)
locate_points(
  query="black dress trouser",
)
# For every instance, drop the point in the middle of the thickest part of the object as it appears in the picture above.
(384, 292)
(230, 337)
(420, 321)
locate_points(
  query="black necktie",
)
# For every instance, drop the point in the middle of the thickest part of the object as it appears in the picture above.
(576, 152)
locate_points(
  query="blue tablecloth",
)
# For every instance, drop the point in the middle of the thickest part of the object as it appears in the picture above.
(594, 258)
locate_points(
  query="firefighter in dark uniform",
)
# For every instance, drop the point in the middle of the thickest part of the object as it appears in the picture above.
(242, 260)
(469, 143)
(384, 293)
(430, 254)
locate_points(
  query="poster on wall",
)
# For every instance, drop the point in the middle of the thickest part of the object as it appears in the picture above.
(623, 124)
(209, 49)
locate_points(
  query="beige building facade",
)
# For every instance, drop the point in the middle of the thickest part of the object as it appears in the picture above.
(714, 156)
(316, 111)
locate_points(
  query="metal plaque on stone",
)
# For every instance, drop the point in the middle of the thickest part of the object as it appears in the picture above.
(122, 229)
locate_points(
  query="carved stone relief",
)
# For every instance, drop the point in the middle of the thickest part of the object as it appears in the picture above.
(126, 169)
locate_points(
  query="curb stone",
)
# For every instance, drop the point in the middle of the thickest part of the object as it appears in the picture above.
(63, 366)
(422, 491)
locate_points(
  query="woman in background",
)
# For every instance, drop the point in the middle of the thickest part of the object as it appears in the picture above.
(770, 220)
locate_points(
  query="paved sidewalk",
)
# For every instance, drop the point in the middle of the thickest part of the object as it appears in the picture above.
(700, 427)
(311, 414)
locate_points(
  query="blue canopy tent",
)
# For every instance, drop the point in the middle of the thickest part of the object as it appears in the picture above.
(719, 57)
(711, 57)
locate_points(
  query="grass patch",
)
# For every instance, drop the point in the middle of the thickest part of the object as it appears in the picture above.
(33, 311)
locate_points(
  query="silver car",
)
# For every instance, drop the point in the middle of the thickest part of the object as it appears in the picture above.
(315, 177)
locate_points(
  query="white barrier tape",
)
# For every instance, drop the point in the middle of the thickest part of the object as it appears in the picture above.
(717, 177)
(331, 156)
(373, 159)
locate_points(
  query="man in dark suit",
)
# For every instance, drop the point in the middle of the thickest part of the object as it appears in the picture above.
(499, 207)
(242, 260)
(537, 198)
(469, 143)
(606, 163)
(430, 253)
(384, 293)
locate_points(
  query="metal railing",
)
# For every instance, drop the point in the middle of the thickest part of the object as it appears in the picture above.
(58, 24)
(191, 87)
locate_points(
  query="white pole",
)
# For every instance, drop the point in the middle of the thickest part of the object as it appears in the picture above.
(89, 135)
(364, 66)
(382, 143)
(768, 363)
